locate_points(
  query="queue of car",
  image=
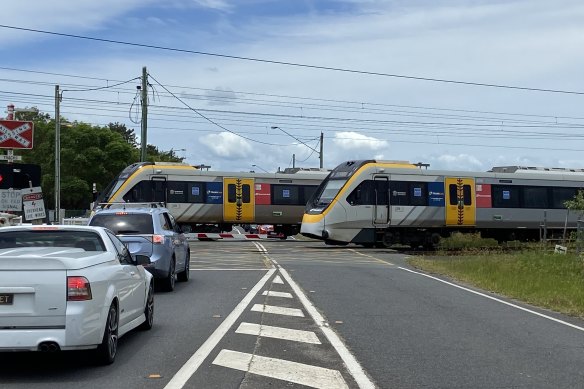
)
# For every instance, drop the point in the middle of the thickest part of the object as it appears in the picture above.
(83, 287)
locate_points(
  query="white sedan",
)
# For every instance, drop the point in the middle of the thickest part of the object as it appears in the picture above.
(70, 288)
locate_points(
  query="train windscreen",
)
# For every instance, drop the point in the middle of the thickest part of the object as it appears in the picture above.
(105, 195)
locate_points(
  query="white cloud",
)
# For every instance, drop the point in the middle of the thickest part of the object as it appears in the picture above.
(220, 5)
(227, 145)
(350, 140)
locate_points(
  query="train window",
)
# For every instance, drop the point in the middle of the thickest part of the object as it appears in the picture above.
(286, 195)
(308, 192)
(140, 193)
(535, 197)
(381, 192)
(398, 191)
(245, 193)
(561, 195)
(505, 196)
(419, 193)
(176, 191)
(196, 192)
(467, 194)
(231, 193)
(159, 189)
(363, 194)
(453, 190)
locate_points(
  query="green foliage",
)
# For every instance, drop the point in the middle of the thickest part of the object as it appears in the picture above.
(89, 154)
(548, 280)
(577, 203)
(467, 242)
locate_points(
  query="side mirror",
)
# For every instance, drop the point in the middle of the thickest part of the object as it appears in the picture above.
(141, 259)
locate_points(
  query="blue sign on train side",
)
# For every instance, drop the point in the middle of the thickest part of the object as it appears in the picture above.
(436, 194)
(214, 193)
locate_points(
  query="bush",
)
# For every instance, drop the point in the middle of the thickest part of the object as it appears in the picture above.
(467, 242)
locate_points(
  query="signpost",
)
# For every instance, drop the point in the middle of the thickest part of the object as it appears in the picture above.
(33, 204)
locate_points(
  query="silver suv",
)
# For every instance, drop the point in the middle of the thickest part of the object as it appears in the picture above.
(149, 229)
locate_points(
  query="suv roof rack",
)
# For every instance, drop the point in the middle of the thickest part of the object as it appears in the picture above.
(124, 205)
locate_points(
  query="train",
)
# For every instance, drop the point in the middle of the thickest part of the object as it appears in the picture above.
(213, 201)
(380, 203)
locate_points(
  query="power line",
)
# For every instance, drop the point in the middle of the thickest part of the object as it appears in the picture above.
(275, 62)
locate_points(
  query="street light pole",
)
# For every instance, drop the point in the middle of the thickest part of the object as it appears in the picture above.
(311, 148)
(259, 167)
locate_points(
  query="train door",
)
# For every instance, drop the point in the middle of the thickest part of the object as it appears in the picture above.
(238, 200)
(381, 205)
(158, 189)
(460, 201)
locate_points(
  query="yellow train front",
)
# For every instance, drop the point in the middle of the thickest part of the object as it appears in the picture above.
(385, 203)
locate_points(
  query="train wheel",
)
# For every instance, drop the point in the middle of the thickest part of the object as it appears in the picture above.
(387, 239)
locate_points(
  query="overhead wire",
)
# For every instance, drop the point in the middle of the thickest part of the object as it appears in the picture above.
(293, 64)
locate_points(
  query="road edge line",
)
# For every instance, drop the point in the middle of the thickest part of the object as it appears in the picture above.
(354, 367)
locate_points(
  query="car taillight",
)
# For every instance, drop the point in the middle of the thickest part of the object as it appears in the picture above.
(158, 239)
(78, 289)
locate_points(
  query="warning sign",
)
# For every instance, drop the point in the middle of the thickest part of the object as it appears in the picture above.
(33, 204)
(10, 200)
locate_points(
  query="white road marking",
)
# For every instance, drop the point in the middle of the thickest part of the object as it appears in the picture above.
(278, 333)
(227, 269)
(191, 366)
(273, 293)
(278, 280)
(299, 373)
(350, 361)
(277, 310)
(496, 299)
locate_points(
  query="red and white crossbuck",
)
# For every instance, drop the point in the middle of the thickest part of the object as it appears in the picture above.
(16, 134)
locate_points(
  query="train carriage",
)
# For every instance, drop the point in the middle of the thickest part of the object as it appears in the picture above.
(211, 201)
(381, 203)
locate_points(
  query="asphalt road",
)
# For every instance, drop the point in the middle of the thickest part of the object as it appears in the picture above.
(360, 317)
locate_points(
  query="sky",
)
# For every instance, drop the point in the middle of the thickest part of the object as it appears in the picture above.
(251, 84)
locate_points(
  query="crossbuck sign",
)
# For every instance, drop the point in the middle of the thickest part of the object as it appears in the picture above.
(16, 134)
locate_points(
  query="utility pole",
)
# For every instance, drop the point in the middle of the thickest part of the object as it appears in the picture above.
(143, 137)
(321, 147)
(57, 155)
(293, 160)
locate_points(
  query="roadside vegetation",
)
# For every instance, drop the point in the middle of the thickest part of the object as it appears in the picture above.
(529, 272)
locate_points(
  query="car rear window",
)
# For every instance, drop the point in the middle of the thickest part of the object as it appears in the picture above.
(127, 224)
(86, 240)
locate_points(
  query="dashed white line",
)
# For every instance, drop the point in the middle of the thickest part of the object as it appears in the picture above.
(277, 310)
(299, 373)
(277, 280)
(273, 293)
(278, 333)
(191, 366)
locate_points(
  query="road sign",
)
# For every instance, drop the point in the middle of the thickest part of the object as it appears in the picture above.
(33, 204)
(10, 200)
(10, 158)
(16, 134)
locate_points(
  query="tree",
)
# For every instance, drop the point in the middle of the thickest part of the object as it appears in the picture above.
(577, 203)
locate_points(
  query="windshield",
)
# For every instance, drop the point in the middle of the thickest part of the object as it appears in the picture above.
(126, 224)
(89, 241)
(327, 192)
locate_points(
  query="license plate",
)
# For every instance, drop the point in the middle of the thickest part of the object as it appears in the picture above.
(6, 299)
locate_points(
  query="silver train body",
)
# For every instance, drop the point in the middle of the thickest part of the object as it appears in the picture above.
(213, 201)
(384, 203)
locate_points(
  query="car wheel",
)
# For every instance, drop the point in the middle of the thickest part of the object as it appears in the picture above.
(148, 310)
(107, 350)
(168, 282)
(184, 276)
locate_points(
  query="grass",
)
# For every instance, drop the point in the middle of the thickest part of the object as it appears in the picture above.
(551, 281)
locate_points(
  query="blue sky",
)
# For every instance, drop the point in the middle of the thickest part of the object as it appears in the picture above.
(531, 43)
